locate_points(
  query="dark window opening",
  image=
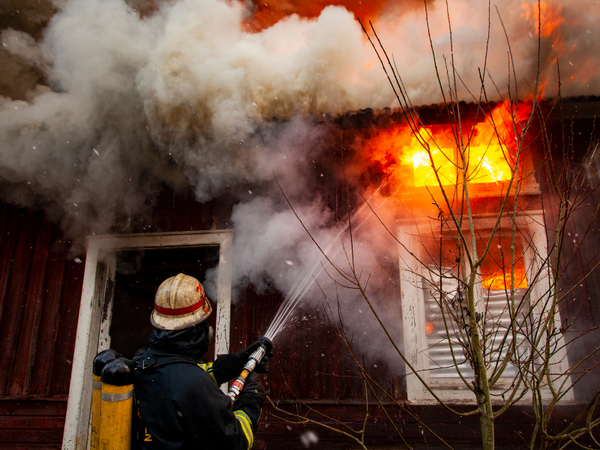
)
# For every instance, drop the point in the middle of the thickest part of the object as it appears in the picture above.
(139, 274)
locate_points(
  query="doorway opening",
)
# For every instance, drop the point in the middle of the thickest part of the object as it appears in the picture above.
(139, 273)
(122, 273)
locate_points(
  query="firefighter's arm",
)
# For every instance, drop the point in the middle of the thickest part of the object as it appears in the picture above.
(250, 400)
(206, 413)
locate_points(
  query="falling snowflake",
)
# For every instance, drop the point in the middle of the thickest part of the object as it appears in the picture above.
(309, 438)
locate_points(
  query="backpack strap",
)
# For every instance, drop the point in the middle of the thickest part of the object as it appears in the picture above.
(155, 360)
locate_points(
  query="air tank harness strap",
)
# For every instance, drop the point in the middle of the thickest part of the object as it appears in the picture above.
(208, 368)
(163, 360)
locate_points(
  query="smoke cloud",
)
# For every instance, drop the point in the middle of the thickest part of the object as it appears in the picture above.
(120, 100)
(131, 101)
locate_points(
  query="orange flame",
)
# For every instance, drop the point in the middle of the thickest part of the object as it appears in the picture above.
(500, 281)
(429, 328)
(268, 12)
(551, 17)
(549, 23)
(430, 156)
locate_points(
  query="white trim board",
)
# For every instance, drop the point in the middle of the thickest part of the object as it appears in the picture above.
(95, 314)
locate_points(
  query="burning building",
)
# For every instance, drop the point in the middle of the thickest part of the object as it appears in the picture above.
(235, 140)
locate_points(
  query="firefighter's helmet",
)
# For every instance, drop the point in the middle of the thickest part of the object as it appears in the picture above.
(180, 302)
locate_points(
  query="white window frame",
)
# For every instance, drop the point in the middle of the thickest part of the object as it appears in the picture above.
(413, 306)
(95, 311)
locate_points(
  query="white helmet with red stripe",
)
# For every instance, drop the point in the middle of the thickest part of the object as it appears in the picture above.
(180, 303)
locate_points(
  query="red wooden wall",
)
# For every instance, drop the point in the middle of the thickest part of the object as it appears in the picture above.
(40, 287)
(40, 290)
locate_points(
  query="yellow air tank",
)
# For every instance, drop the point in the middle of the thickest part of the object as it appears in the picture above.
(117, 403)
(101, 360)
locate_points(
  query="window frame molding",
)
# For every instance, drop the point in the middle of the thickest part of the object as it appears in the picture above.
(95, 311)
(414, 314)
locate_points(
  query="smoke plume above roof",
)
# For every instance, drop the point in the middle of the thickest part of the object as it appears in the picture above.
(124, 98)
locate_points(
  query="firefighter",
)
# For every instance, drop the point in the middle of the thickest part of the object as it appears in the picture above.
(178, 403)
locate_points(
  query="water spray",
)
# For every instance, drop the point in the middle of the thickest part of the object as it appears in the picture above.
(254, 360)
(304, 282)
(300, 289)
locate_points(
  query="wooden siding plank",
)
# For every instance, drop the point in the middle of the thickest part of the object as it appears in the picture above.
(163, 212)
(48, 331)
(178, 211)
(201, 216)
(67, 327)
(23, 363)
(32, 422)
(325, 358)
(16, 295)
(31, 436)
(25, 407)
(182, 211)
(7, 249)
(4, 216)
(31, 446)
(222, 210)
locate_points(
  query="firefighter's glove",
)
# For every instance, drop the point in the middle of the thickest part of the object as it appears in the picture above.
(262, 365)
(251, 399)
(228, 367)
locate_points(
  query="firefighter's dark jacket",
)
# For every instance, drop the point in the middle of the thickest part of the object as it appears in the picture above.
(179, 406)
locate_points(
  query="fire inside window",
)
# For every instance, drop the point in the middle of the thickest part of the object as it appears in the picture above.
(508, 304)
(435, 155)
(441, 289)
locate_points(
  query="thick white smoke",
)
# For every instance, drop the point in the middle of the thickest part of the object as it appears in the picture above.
(185, 95)
(187, 90)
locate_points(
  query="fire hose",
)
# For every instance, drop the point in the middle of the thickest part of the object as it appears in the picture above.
(254, 360)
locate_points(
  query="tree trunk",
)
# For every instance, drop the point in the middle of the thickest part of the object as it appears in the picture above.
(486, 422)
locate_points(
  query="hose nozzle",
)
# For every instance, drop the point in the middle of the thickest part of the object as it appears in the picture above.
(255, 358)
(266, 343)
